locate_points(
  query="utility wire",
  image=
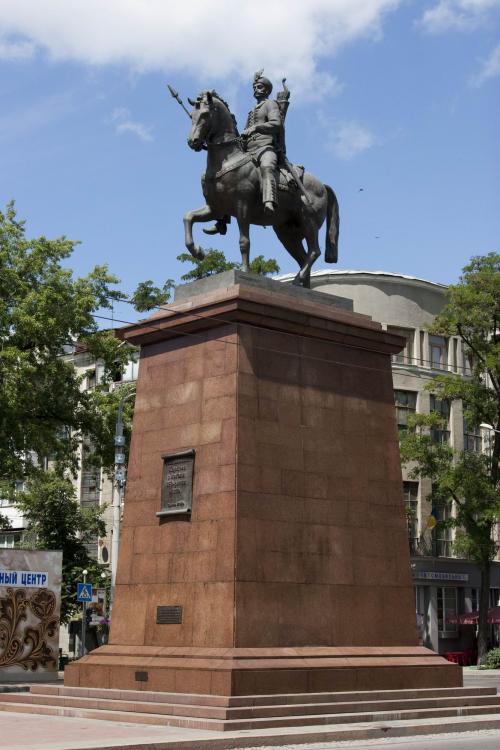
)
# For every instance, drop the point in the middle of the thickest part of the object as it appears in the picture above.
(200, 337)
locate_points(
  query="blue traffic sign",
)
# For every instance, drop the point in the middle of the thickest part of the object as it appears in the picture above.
(84, 592)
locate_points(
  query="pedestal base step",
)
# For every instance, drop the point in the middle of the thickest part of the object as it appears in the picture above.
(262, 671)
(223, 714)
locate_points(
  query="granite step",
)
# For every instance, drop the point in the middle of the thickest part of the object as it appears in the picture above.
(261, 700)
(250, 712)
(58, 701)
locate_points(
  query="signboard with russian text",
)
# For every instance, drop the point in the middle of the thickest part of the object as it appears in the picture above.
(435, 575)
(30, 604)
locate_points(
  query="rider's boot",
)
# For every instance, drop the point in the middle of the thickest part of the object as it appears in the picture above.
(220, 226)
(269, 190)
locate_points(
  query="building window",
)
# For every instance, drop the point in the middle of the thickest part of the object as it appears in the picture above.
(406, 403)
(443, 535)
(446, 606)
(472, 438)
(410, 497)
(494, 597)
(404, 357)
(438, 352)
(10, 539)
(442, 407)
(8, 491)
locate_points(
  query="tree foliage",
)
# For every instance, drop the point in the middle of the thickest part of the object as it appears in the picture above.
(147, 296)
(44, 311)
(45, 414)
(214, 261)
(466, 480)
(56, 521)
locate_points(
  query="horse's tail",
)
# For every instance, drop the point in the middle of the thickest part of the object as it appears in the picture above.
(332, 227)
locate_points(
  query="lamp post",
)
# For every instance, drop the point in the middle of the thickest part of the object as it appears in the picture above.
(84, 617)
(118, 490)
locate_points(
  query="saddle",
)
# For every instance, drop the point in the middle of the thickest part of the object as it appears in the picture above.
(287, 181)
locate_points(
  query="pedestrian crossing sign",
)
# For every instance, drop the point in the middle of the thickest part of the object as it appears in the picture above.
(84, 592)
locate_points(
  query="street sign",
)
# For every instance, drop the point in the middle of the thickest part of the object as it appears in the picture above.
(84, 592)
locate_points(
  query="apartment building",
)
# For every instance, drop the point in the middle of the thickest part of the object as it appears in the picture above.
(444, 585)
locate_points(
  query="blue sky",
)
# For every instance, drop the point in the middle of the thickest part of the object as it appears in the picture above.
(398, 97)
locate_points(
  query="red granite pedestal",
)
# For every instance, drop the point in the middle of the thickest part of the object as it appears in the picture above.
(292, 570)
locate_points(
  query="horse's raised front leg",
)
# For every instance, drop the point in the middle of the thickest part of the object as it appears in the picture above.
(244, 228)
(198, 214)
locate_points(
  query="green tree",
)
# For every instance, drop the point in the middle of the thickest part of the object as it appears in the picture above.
(44, 311)
(56, 521)
(215, 262)
(468, 481)
(147, 296)
(264, 266)
(45, 414)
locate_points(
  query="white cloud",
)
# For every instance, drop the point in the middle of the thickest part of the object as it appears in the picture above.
(350, 139)
(124, 124)
(490, 69)
(16, 50)
(457, 15)
(211, 40)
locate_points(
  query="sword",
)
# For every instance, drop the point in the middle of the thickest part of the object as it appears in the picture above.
(178, 99)
(296, 177)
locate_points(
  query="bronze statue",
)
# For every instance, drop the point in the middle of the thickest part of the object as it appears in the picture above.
(249, 177)
(261, 138)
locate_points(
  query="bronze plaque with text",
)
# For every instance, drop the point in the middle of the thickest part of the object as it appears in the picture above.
(177, 486)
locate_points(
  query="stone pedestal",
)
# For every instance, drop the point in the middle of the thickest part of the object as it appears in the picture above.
(291, 573)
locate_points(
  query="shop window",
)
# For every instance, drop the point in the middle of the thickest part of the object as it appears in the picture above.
(447, 601)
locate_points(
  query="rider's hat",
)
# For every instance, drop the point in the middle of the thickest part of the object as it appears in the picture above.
(258, 77)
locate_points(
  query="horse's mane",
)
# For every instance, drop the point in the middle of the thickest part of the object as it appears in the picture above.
(214, 93)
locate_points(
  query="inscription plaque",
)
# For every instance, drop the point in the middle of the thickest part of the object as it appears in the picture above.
(177, 483)
(169, 615)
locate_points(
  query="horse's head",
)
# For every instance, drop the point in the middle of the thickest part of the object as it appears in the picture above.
(210, 118)
(201, 119)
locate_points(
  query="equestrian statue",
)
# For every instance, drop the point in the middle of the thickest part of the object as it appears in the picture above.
(249, 177)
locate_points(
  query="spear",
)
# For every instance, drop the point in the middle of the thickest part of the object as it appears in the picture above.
(178, 99)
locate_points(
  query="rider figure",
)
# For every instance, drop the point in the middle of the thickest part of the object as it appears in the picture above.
(261, 138)
(261, 134)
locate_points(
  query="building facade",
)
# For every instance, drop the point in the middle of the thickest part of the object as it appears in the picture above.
(444, 585)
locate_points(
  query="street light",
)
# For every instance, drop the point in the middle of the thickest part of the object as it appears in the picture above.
(118, 484)
(84, 617)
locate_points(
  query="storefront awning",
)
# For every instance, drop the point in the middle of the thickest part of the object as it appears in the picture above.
(472, 618)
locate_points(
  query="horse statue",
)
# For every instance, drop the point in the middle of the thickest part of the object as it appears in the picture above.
(232, 187)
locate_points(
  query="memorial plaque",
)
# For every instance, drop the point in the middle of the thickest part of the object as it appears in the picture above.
(177, 485)
(169, 615)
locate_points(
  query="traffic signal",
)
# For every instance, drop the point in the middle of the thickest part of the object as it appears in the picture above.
(88, 616)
